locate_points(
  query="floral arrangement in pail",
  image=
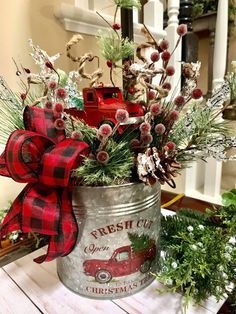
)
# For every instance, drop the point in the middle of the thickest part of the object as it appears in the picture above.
(58, 137)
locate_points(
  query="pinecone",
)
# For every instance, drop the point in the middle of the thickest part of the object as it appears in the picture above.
(169, 170)
(153, 166)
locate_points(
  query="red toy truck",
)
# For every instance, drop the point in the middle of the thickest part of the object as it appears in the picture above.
(100, 105)
(124, 261)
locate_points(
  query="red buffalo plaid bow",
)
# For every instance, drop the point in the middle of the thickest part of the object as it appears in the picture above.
(44, 158)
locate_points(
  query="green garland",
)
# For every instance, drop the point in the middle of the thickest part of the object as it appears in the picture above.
(199, 252)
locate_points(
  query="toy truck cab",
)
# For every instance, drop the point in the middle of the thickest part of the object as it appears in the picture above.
(101, 104)
(124, 261)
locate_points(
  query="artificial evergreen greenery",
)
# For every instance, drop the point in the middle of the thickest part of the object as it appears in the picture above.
(199, 252)
(128, 4)
(13, 236)
(116, 171)
(114, 48)
(3, 212)
(10, 111)
(91, 172)
(231, 78)
(202, 128)
(204, 6)
(88, 133)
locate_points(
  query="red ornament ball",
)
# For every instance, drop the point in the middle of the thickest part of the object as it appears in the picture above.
(179, 101)
(151, 95)
(182, 29)
(164, 44)
(166, 86)
(109, 63)
(196, 93)
(145, 127)
(116, 26)
(160, 128)
(135, 143)
(105, 130)
(165, 55)
(58, 107)
(155, 56)
(48, 104)
(122, 115)
(171, 146)
(61, 93)
(170, 70)
(52, 85)
(146, 139)
(102, 157)
(131, 90)
(59, 124)
(174, 115)
(155, 109)
(76, 135)
(23, 96)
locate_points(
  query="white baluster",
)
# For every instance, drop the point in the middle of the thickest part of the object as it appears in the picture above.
(135, 15)
(153, 14)
(173, 12)
(213, 173)
(221, 37)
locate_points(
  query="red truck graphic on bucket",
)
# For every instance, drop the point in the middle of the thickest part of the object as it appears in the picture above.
(124, 261)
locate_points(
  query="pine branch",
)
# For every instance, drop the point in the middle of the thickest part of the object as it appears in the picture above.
(116, 171)
(115, 49)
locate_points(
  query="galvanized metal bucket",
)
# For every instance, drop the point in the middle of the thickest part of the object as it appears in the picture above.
(117, 246)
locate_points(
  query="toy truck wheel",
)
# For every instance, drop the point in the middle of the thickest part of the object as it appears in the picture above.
(103, 276)
(146, 265)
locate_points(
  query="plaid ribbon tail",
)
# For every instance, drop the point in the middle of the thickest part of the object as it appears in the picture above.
(13, 219)
(62, 243)
(30, 213)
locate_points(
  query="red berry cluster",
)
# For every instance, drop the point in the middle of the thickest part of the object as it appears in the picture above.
(116, 26)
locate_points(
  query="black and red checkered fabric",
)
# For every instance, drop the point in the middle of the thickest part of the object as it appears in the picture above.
(44, 206)
(42, 121)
